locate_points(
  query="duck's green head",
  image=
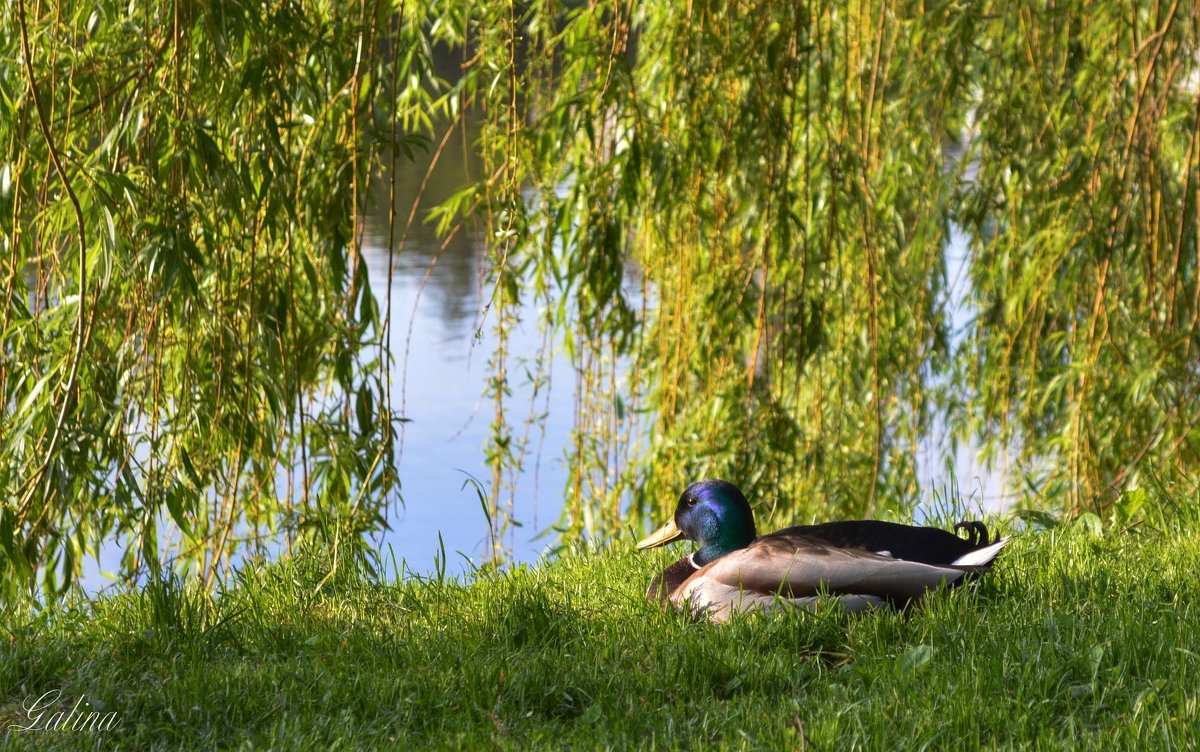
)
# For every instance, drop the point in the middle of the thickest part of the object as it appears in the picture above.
(715, 514)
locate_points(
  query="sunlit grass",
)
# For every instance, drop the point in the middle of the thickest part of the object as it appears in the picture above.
(1076, 639)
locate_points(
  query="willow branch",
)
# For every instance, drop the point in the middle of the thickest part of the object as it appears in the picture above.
(81, 329)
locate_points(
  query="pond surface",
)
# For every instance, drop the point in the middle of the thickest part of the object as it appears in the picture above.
(442, 345)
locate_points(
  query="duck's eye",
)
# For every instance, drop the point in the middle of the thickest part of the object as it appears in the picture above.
(690, 501)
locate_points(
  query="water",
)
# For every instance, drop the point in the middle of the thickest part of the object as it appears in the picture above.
(441, 348)
(957, 483)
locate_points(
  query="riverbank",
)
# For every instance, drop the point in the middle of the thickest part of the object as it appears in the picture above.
(1083, 636)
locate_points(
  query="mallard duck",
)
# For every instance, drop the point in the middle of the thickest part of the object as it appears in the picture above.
(860, 563)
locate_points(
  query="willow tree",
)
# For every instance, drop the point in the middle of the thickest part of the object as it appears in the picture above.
(1083, 208)
(784, 212)
(189, 338)
(734, 216)
(781, 179)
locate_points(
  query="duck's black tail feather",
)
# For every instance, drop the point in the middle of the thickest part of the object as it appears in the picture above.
(977, 532)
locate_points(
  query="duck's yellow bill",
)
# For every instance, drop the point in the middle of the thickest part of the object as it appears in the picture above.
(661, 537)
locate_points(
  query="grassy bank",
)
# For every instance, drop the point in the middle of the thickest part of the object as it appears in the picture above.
(1077, 639)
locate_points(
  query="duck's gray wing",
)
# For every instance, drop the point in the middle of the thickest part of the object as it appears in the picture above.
(796, 566)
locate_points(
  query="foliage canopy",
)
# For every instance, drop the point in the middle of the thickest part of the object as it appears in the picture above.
(736, 216)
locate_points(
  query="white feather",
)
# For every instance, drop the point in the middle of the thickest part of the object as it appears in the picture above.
(980, 556)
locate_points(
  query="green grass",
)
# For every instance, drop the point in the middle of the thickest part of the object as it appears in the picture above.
(1075, 640)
